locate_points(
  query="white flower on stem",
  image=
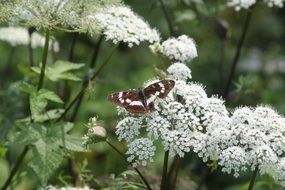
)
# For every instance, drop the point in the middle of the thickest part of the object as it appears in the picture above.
(241, 4)
(50, 187)
(47, 13)
(17, 36)
(128, 128)
(179, 71)
(121, 24)
(140, 152)
(180, 49)
(277, 3)
(233, 159)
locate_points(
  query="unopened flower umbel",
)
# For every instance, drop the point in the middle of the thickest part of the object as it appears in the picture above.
(95, 133)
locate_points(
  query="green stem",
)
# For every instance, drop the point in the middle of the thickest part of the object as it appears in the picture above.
(168, 18)
(173, 172)
(44, 60)
(84, 87)
(253, 178)
(15, 169)
(125, 158)
(31, 53)
(238, 52)
(163, 185)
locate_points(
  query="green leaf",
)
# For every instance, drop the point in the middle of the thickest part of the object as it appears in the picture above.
(39, 101)
(27, 88)
(74, 144)
(61, 70)
(40, 118)
(3, 151)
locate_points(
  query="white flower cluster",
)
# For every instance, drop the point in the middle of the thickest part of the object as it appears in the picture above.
(184, 112)
(141, 151)
(20, 36)
(277, 3)
(245, 4)
(241, 4)
(47, 13)
(50, 187)
(249, 138)
(180, 49)
(120, 24)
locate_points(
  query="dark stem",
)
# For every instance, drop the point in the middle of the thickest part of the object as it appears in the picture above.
(168, 18)
(173, 172)
(82, 91)
(96, 52)
(86, 79)
(164, 179)
(221, 66)
(253, 178)
(9, 60)
(44, 60)
(125, 158)
(15, 168)
(31, 52)
(72, 47)
(238, 52)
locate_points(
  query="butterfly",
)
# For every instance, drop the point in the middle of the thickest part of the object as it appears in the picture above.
(140, 101)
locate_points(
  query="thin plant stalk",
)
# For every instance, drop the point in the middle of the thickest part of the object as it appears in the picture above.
(86, 80)
(253, 178)
(173, 172)
(72, 47)
(84, 87)
(238, 52)
(30, 48)
(164, 179)
(135, 168)
(221, 65)
(44, 60)
(168, 18)
(15, 168)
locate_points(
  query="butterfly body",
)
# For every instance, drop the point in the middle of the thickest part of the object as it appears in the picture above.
(140, 101)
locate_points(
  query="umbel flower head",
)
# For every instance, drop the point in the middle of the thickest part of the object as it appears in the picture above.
(17, 36)
(181, 49)
(95, 133)
(185, 111)
(249, 138)
(47, 13)
(245, 4)
(120, 24)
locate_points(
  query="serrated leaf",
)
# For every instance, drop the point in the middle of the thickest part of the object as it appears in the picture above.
(49, 95)
(74, 144)
(46, 160)
(27, 88)
(39, 100)
(61, 70)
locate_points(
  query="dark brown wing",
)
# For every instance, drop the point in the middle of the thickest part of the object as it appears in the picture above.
(124, 98)
(131, 101)
(160, 88)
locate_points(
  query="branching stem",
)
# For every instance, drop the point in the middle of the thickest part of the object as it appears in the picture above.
(44, 60)
(238, 52)
(125, 158)
(253, 178)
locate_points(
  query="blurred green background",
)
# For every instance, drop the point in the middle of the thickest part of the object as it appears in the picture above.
(259, 80)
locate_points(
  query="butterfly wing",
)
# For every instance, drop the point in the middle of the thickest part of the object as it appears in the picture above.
(131, 101)
(160, 88)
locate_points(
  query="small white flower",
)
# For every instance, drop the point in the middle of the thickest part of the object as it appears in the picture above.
(121, 24)
(233, 159)
(128, 128)
(277, 3)
(241, 4)
(140, 152)
(179, 71)
(50, 187)
(17, 36)
(180, 49)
